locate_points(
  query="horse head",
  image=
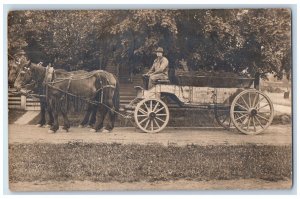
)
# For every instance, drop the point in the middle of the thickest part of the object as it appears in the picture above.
(15, 66)
(30, 77)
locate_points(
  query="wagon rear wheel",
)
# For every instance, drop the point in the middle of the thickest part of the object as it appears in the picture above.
(151, 115)
(251, 112)
(222, 115)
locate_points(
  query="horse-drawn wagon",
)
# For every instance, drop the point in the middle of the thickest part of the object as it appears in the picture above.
(236, 101)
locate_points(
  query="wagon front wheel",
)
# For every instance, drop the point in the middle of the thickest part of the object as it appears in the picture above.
(252, 112)
(151, 115)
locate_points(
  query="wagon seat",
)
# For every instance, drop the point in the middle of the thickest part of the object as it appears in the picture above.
(170, 80)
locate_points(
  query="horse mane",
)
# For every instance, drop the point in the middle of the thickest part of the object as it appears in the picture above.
(38, 74)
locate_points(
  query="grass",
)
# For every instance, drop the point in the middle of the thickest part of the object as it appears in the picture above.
(132, 163)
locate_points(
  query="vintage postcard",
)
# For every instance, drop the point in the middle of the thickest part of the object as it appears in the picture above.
(150, 99)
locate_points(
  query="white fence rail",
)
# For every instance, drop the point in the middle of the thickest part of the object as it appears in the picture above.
(23, 102)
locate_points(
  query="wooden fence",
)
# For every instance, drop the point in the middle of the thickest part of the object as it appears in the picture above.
(23, 102)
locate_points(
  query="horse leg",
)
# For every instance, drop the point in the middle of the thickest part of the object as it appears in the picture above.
(92, 119)
(86, 116)
(66, 120)
(99, 123)
(54, 109)
(42, 120)
(50, 115)
(111, 121)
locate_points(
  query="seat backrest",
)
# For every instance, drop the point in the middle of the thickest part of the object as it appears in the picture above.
(172, 76)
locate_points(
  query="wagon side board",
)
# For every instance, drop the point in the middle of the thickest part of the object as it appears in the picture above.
(192, 94)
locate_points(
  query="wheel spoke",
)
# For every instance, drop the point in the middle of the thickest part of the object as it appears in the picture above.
(143, 120)
(161, 114)
(155, 107)
(142, 111)
(151, 125)
(245, 102)
(150, 105)
(262, 117)
(263, 106)
(240, 111)
(147, 124)
(249, 99)
(241, 117)
(142, 115)
(254, 125)
(245, 121)
(258, 102)
(156, 123)
(146, 107)
(249, 121)
(264, 112)
(255, 98)
(160, 119)
(241, 106)
(259, 122)
(159, 109)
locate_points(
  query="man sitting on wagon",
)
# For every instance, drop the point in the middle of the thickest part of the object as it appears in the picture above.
(159, 69)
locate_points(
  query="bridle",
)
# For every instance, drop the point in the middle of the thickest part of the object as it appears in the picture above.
(22, 71)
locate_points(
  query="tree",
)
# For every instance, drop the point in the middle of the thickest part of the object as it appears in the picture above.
(237, 40)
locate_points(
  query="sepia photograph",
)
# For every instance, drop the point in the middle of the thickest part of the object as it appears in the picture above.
(150, 99)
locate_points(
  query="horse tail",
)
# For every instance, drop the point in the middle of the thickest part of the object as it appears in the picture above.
(116, 97)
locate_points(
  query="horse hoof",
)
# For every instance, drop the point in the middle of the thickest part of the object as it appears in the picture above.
(39, 125)
(105, 131)
(51, 131)
(64, 130)
(89, 126)
(93, 130)
(80, 126)
(47, 126)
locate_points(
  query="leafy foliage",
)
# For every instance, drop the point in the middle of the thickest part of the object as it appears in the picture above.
(239, 40)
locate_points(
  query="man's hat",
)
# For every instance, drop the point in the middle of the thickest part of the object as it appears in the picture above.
(159, 49)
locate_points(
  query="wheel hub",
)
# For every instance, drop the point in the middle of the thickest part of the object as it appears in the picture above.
(253, 112)
(152, 115)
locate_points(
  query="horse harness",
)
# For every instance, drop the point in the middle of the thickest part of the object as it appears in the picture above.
(50, 78)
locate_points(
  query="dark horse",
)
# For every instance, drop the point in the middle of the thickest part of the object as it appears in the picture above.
(92, 87)
(39, 90)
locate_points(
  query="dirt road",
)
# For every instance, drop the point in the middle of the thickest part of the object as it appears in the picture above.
(274, 135)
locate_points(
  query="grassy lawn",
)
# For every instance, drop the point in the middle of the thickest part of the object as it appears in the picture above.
(132, 163)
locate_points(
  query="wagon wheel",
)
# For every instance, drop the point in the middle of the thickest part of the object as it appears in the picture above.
(251, 112)
(151, 115)
(222, 115)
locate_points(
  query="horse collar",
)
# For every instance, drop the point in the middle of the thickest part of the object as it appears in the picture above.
(49, 73)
